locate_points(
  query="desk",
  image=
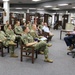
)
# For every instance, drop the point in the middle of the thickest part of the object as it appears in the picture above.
(64, 31)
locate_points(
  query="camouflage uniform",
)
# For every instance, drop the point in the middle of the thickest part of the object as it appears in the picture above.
(34, 35)
(11, 35)
(27, 38)
(18, 29)
(6, 42)
(2, 32)
(5, 27)
(29, 26)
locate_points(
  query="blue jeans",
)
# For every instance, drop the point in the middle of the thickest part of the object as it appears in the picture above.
(68, 40)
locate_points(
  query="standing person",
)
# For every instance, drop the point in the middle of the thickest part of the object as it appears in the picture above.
(28, 41)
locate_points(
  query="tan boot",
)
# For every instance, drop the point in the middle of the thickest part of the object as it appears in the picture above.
(41, 52)
(70, 48)
(12, 43)
(49, 45)
(13, 55)
(48, 60)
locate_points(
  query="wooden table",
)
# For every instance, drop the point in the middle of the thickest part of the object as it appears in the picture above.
(64, 31)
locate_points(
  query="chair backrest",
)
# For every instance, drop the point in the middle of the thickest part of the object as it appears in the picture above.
(45, 34)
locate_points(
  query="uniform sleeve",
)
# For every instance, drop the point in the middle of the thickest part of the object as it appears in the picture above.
(16, 30)
(3, 33)
(34, 35)
(24, 39)
(5, 28)
(7, 33)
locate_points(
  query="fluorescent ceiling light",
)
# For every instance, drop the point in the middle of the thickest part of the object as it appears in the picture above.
(73, 7)
(47, 6)
(36, 0)
(40, 9)
(62, 4)
(18, 8)
(32, 8)
(5, 0)
(55, 8)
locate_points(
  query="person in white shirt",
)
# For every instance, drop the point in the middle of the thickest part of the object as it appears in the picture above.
(46, 29)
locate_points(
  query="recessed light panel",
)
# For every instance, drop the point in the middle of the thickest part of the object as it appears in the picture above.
(36, 0)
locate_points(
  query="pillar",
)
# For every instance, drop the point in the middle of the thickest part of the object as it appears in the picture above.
(6, 11)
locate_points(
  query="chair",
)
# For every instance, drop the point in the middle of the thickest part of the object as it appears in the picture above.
(27, 53)
(45, 34)
(17, 40)
(72, 52)
(1, 48)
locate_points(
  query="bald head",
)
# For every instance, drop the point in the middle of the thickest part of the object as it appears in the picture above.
(34, 27)
(45, 24)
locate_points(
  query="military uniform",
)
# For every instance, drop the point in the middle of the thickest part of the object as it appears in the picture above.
(33, 34)
(18, 29)
(10, 33)
(39, 38)
(5, 27)
(30, 26)
(41, 26)
(27, 38)
(6, 42)
(2, 32)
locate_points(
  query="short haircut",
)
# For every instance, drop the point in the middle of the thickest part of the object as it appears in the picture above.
(7, 21)
(24, 28)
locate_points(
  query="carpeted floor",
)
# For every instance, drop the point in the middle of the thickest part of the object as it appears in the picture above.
(63, 64)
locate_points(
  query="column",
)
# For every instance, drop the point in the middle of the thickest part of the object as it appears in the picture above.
(46, 18)
(27, 10)
(6, 11)
(52, 20)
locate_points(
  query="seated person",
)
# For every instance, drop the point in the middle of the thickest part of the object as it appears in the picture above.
(18, 29)
(23, 25)
(68, 39)
(34, 34)
(46, 29)
(28, 41)
(40, 26)
(29, 25)
(2, 32)
(10, 33)
(5, 26)
(38, 38)
(6, 42)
